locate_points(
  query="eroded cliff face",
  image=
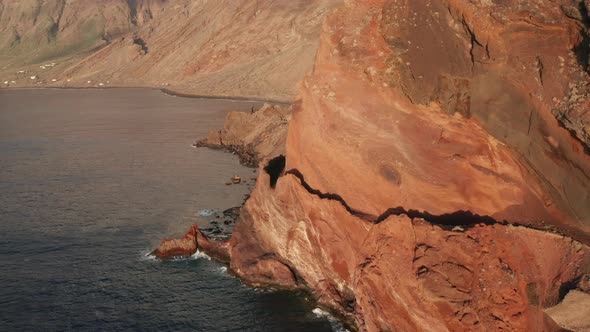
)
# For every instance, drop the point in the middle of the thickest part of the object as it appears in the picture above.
(230, 48)
(433, 165)
(403, 274)
(255, 136)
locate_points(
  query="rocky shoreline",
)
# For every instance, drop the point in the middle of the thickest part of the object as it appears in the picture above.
(253, 137)
(257, 266)
(247, 136)
(423, 181)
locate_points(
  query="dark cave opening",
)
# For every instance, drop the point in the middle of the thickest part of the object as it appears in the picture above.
(566, 287)
(275, 168)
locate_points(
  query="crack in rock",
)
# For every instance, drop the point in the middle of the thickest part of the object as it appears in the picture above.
(457, 218)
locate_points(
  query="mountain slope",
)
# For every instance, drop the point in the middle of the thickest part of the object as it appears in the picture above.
(33, 31)
(233, 48)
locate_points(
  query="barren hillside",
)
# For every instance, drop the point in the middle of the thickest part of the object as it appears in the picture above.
(234, 48)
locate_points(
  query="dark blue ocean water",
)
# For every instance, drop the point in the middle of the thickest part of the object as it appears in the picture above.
(90, 181)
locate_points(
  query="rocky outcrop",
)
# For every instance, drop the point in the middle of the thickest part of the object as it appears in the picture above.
(428, 184)
(410, 274)
(572, 109)
(254, 136)
(176, 248)
(226, 48)
(188, 245)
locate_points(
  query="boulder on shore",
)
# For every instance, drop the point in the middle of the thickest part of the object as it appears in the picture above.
(184, 247)
(188, 245)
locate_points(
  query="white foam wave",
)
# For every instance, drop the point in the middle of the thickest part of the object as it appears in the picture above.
(206, 212)
(264, 290)
(334, 323)
(199, 254)
(146, 255)
(223, 269)
(320, 313)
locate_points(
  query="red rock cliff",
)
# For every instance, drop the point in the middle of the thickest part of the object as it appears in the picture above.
(435, 145)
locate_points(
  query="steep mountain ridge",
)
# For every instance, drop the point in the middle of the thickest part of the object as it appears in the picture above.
(40, 30)
(233, 48)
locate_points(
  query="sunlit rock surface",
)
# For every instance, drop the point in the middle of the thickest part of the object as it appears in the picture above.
(428, 180)
(253, 136)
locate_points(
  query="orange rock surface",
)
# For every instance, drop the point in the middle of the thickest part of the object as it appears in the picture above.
(385, 120)
(401, 273)
(427, 179)
(260, 134)
(176, 248)
(188, 245)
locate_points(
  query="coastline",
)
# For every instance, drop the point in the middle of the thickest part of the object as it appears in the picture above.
(240, 98)
(166, 91)
(121, 189)
(335, 310)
